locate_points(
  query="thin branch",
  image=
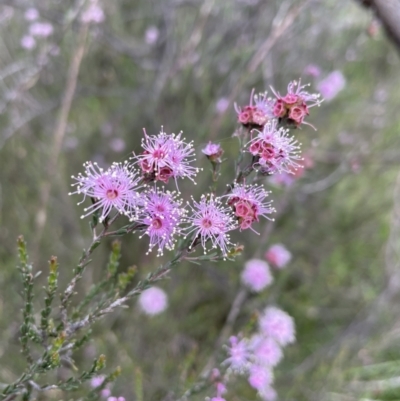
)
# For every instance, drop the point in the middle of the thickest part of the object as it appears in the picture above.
(388, 12)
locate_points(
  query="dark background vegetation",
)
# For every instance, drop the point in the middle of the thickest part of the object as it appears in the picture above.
(340, 221)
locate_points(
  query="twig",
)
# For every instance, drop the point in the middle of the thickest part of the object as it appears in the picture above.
(59, 132)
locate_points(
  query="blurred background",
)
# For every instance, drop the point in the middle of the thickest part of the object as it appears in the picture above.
(79, 81)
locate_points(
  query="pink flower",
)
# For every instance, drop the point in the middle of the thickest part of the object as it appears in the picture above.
(97, 381)
(28, 42)
(278, 256)
(260, 377)
(162, 214)
(213, 151)
(31, 14)
(278, 325)
(42, 29)
(332, 85)
(312, 70)
(153, 301)
(294, 106)
(266, 351)
(249, 204)
(257, 113)
(210, 221)
(151, 35)
(93, 14)
(239, 355)
(222, 105)
(117, 144)
(268, 394)
(115, 399)
(256, 275)
(114, 188)
(221, 389)
(166, 156)
(274, 150)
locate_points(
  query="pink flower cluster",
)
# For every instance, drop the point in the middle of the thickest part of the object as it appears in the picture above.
(213, 151)
(37, 29)
(294, 106)
(166, 156)
(93, 14)
(115, 187)
(162, 214)
(153, 301)
(256, 275)
(278, 256)
(249, 203)
(274, 150)
(331, 85)
(211, 221)
(257, 113)
(257, 356)
(97, 381)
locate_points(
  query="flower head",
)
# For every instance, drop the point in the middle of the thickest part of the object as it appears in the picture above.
(31, 14)
(275, 150)
(113, 188)
(257, 113)
(239, 360)
(268, 393)
(94, 13)
(42, 29)
(210, 221)
(313, 70)
(97, 381)
(249, 203)
(332, 85)
(166, 156)
(260, 377)
(162, 214)
(266, 351)
(221, 389)
(116, 399)
(256, 275)
(28, 42)
(278, 325)
(153, 301)
(294, 106)
(278, 256)
(213, 151)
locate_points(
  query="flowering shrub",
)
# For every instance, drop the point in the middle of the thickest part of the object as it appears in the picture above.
(132, 197)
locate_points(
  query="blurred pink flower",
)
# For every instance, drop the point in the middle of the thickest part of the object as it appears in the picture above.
(115, 399)
(278, 325)
(28, 42)
(221, 105)
(239, 355)
(213, 151)
(312, 70)
(268, 394)
(332, 85)
(256, 275)
(31, 14)
(278, 256)
(42, 29)
(98, 381)
(94, 13)
(260, 377)
(221, 389)
(153, 301)
(266, 351)
(151, 35)
(117, 144)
